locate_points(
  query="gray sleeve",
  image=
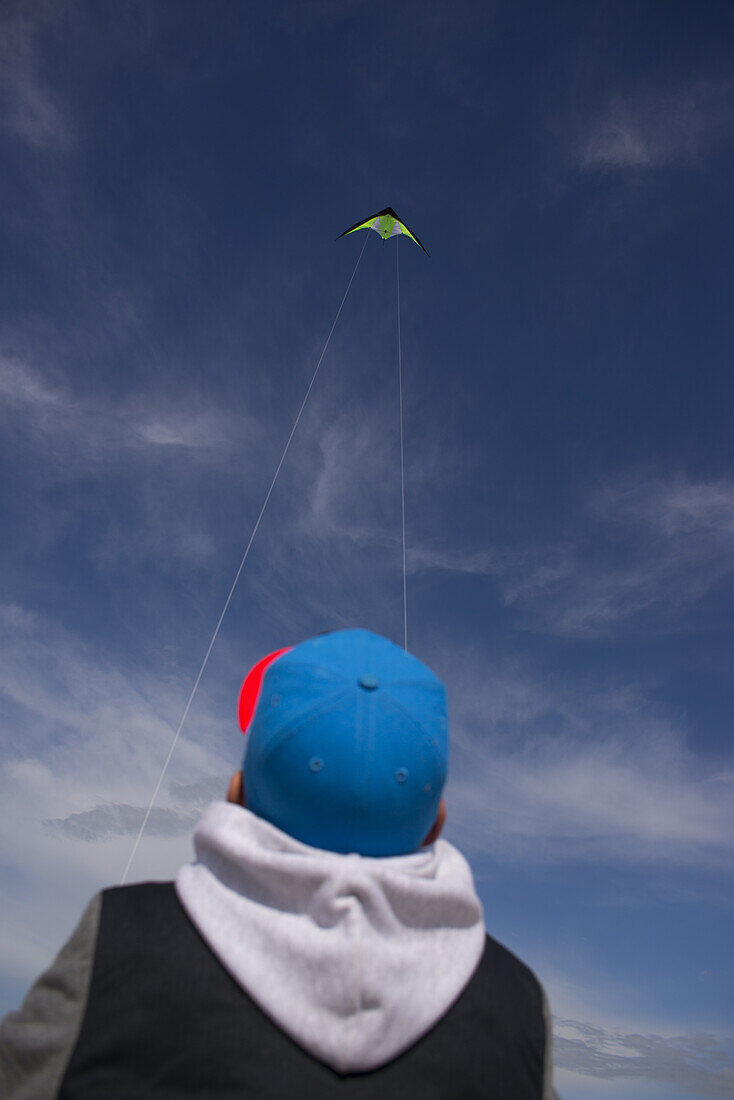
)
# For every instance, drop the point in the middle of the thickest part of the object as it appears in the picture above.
(549, 1093)
(37, 1041)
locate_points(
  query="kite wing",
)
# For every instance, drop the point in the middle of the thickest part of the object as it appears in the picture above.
(387, 224)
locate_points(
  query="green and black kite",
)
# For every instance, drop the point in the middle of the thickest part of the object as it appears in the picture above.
(387, 224)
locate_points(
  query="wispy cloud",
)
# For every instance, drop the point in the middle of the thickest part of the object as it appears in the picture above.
(83, 743)
(351, 488)
(111, 819)
(607, 1038)
(160, 454)
(643, 549)
(654, 129)
(695, 1063)
(647, 549)
(30, 108)
(84, 429)
(341, 561)
(78, 705)
(105, 821)
(577, 772)
(479, 563)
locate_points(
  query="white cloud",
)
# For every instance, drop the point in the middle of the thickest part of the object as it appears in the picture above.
(83, 430)
(600, 1034)
(193, 430)
(351, 485)
(598, 801)
(643, 549)
(351, 493)
(578, 772)
(648, 549)
(673, 545)
(79, 763)
(29, 107)
(26, 390)
(339, 496)
(694, 1063)
(163, 459)
(674, 507)
(481, 563)
(83, 711)
(111, 819)
(654, 129)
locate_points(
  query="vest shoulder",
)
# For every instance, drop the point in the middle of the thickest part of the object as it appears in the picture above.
(499, 956)
(139, 893)
(500, 973)
(133, 917)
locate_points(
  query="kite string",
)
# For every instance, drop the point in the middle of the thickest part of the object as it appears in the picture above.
(402, 451)
(239, 571)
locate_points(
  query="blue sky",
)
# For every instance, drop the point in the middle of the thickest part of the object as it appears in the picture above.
(173, 178)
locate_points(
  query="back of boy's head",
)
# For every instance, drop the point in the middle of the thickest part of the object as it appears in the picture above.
(347, 744)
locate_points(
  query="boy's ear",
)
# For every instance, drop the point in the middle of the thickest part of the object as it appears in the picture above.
(437, 826)
(236, 790)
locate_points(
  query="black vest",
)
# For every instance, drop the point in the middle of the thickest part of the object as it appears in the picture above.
(164, 1019)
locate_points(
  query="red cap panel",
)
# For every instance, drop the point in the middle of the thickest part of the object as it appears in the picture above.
(251, 685)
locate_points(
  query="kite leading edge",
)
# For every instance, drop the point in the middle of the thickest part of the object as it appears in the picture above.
(387, 224)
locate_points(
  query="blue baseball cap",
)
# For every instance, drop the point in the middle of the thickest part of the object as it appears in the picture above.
(347, 747)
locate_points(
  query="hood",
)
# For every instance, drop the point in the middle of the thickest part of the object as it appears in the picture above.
(354, 957)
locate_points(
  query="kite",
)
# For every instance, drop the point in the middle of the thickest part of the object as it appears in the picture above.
(387, 224)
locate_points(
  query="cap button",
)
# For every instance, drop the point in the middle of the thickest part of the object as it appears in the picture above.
(369, 683)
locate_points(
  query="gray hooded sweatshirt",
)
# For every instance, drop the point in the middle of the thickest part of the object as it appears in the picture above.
(354, 957)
